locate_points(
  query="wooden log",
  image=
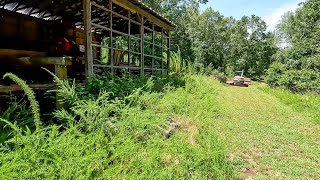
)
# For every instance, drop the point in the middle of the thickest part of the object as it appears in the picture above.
(19, 53)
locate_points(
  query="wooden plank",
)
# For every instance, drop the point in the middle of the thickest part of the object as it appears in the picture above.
(46, 60)
(88, 37)
(133, 8)
(15, 88)
(19, 53)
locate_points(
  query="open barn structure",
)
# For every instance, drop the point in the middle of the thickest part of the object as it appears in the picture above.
(114, 35)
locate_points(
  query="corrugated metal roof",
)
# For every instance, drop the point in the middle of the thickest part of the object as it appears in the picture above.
(41, 7)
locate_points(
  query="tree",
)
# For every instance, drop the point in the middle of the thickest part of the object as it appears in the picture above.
(301, 31)
(210, 38)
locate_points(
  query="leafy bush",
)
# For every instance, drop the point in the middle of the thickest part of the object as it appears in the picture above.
(107, 137)
(298, 76)
(301, 61)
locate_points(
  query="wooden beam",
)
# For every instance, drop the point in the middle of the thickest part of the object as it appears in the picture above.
(15, 88)
(142, 46)
(153, 49)
(88, 37)
(13, 52)
(129, 41)
(111, 37)
(135, 9)
(169, 51)
(161, 51)
(63, 61)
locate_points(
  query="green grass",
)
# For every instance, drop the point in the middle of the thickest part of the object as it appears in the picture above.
(305, 103)
(224, 132)
(268, 134)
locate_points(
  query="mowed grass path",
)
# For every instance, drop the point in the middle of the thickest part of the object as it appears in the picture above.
(267, 139)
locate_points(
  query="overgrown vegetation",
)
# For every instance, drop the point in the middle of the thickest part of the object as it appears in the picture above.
(297, 66)
(185, 125)
(121, 127)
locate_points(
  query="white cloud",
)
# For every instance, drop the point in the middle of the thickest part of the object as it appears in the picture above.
(275, 16)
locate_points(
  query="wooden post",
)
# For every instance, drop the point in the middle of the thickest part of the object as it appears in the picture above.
(162, 52)
(142, 45)
(111, 37)
(153, 49)
(61, 73)
(129, 42)
(169, 51)
(88, 34)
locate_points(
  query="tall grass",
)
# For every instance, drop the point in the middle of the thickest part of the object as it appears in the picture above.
(118, 133)
(31, 97)
(307, 103)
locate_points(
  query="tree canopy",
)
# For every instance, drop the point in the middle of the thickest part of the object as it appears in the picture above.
(210, 38)
(288, 57)
(297, 67)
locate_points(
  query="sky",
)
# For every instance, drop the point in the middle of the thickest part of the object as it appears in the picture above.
(270, 10)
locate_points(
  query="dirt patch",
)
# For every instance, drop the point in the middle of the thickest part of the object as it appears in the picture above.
(250, 159)
(167, 159)
(231, 157)
(189, 127)
(182, 124)
(249, 174)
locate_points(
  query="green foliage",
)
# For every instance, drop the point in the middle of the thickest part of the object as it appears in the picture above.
(65, 89)
(31, 97)
(107, 138)
(176, 62)
(16, 111)
(209, 38)
(124, 86)
(308, 103)
(297, 67)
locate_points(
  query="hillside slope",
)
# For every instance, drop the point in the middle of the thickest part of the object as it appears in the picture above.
(267, 138)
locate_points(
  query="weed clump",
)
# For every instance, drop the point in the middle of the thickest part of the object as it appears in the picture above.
(110, 130)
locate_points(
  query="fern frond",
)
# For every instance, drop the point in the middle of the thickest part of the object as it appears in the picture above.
(30, 95)
(65, 90)
(13, 126)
